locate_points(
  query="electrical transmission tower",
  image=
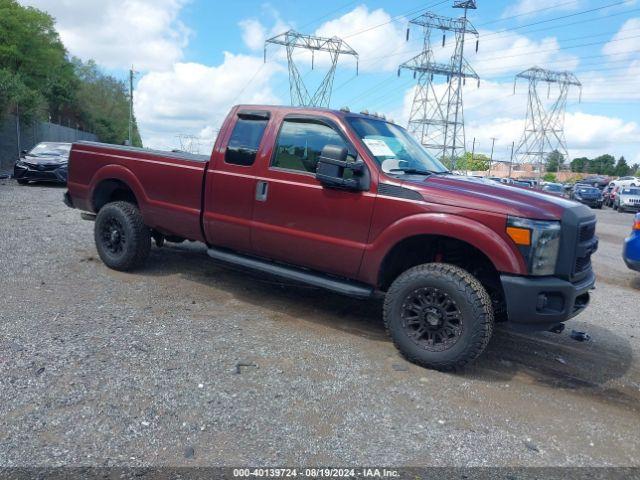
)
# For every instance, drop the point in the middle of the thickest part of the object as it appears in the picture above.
(189, 143)
(437, 120)
(544, 127)
(292, 41)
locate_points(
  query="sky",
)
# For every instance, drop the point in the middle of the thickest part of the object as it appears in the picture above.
(197, 58)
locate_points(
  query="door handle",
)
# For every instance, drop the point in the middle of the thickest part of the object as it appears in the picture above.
(262, 189)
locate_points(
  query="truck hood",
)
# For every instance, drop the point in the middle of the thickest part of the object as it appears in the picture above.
(490, 196)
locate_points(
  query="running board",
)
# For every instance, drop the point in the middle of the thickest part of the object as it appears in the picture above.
(352, 289)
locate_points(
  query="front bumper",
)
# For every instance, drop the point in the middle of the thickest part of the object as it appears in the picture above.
(591, 202)
(630, 207)
(540, 303)
(40, 173)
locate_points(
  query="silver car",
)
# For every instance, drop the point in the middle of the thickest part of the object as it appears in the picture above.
(628, 199)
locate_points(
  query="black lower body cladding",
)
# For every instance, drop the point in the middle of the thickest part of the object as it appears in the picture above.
(540, 303)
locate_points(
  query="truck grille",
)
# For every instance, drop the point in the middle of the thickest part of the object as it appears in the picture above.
(587, 245)
(587, 232)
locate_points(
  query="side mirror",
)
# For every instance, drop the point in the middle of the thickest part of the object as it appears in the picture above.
(333, 170)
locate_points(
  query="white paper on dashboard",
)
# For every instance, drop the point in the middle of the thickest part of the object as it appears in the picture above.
(378, 147)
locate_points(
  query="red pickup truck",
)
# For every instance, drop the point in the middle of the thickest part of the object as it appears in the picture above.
(352, 203)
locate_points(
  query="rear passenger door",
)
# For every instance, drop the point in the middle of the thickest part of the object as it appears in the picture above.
(296, 219)
(231, 181)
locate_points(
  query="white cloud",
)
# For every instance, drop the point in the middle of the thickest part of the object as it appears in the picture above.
(379, 48)
(192, 98)
(626, 42)
(254, 32)
(526, 8)
(121, 33)
(494, 112)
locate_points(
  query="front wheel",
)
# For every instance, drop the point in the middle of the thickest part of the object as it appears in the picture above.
(22, 181)
(122, 239)
(439, 316)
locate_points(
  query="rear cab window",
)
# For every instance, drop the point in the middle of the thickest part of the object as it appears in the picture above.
(245, 139)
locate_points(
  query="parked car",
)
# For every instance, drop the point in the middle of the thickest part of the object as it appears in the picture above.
(597, 181)
(627, 182)
(46, 162)
(554, 188)
(631, 252)
(613, 195)
(627, 199)
(354, 204)
(587, 195)
(606, 195)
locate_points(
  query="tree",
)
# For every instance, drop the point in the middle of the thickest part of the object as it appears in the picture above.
(475, 163)
(104, 104)
(603, 165)
(554, 161)
(622, 169)
(549, 177)
(33, 61)
(579, 165)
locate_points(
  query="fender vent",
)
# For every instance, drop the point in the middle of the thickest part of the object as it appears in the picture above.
(389, 190)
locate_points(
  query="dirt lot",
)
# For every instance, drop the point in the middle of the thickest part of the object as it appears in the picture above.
(104, 368)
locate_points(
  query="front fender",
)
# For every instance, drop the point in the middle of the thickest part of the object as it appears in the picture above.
(504, 256)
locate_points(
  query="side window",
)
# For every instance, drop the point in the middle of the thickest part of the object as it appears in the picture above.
(245, 140)
(300, 143)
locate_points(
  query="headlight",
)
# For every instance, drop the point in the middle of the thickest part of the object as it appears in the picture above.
(538, 241)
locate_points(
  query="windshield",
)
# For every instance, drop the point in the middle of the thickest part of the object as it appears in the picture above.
(51, 149)
(631, 191)
(588, 190)
(393, 148)
(554, 188)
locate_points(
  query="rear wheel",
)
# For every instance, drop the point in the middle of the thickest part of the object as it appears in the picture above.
(122, 239)
(439, 316)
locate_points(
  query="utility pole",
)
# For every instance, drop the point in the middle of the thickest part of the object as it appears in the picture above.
(493, 144)
(513, 145)
(473, 155)
(132, 73)
(437, 120)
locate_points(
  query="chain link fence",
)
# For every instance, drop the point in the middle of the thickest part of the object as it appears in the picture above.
(15, 138)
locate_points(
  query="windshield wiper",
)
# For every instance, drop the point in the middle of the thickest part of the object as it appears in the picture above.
(417, 171)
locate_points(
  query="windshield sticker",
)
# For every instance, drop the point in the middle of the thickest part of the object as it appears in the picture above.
(378, 147)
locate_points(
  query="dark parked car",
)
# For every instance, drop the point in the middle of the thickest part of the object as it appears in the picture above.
(46, 162)
(587, 195)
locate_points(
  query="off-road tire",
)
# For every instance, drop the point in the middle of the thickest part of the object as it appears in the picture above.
(470, 298)
(136, 245)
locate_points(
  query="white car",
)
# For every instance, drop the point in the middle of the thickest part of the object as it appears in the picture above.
(626, 182)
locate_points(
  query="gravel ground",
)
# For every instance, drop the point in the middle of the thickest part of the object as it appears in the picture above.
(146, 369)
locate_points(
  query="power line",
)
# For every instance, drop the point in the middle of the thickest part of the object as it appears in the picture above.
(583, 12)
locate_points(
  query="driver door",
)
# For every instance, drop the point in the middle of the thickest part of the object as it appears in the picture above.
(298, 221)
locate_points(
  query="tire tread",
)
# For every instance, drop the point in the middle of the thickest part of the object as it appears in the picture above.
(470, 288)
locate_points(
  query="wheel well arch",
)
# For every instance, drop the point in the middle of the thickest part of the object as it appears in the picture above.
(427, 248)
(112, 190)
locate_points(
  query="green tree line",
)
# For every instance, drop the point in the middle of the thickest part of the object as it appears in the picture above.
(40, 81)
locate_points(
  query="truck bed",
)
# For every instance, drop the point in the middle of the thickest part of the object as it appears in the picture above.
(167, 185)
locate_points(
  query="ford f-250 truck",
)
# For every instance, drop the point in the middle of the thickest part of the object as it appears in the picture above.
(352, 203)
